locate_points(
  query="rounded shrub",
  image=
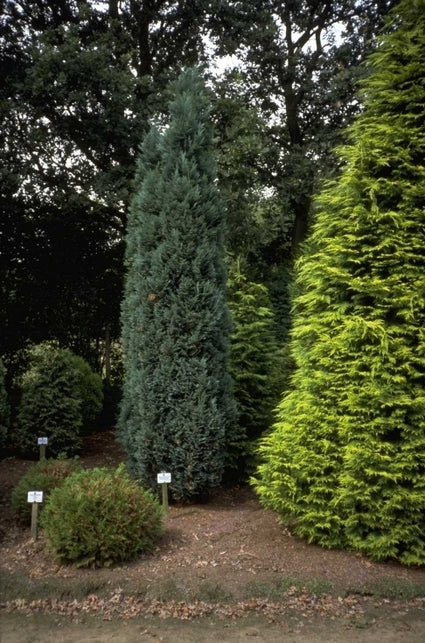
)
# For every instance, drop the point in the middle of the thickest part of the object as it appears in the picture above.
(100, 517)
(45, 476)
(60, 398)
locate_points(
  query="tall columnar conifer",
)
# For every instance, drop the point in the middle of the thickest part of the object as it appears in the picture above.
(178, 412)
(254, 352)
(346, 459)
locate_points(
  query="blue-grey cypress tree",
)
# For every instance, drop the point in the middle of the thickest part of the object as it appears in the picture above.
(178, 412)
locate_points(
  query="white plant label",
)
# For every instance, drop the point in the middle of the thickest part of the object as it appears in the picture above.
(35, 496)
(43, 441)
(163, 477)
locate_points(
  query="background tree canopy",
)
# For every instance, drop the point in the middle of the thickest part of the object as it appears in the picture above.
(81, 81)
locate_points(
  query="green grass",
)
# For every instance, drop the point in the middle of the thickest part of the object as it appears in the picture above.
(173, 590)
(391, 588)
(167, 590)
(275, 590)
(213, 593)
(16, 586)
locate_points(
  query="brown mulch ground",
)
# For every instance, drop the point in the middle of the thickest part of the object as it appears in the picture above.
(227, 548)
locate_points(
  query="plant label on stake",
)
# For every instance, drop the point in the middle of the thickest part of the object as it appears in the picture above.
(164, 480)
(42, 443)
(35, 497)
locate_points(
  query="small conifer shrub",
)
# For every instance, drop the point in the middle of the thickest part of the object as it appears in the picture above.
(61, 399)
(100, 517)
(45, 476)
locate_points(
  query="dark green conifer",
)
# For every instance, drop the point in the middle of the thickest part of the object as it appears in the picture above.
(254, 352)
(51, 402)
(346, 458)
(178, 412)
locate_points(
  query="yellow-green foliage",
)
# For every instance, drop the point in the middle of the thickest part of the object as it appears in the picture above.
(346, 458)
(100, 517)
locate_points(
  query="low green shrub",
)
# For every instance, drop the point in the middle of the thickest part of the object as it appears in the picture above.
(100, 517)
(45, 476)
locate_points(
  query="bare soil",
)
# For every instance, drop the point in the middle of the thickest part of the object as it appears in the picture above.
(224, 570)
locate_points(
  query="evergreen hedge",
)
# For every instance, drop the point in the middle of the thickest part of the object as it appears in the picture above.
(91, 393)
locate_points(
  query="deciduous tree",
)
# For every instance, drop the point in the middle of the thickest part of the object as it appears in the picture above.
(80, 81)
(300, 64)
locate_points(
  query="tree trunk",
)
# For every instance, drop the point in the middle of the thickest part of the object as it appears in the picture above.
(107, 354)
